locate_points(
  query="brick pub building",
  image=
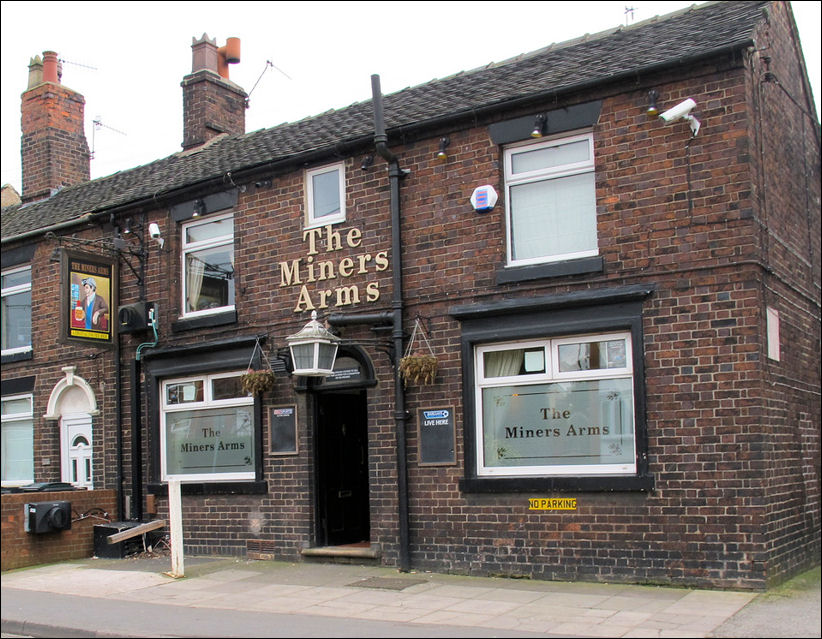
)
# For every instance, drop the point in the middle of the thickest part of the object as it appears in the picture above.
(623, 309)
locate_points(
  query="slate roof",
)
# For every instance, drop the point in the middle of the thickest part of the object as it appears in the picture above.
(676, 38)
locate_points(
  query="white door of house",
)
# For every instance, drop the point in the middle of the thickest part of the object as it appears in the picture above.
(76, 449)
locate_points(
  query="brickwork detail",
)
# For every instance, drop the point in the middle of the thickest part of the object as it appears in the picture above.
(212, 106)
(21, 549)
(55, 152)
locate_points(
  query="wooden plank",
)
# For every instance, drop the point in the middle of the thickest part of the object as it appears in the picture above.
(137, 530)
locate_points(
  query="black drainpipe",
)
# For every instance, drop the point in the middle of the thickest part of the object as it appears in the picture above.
(137, 424)
(136, 443)
(395, 174)
(118, 410)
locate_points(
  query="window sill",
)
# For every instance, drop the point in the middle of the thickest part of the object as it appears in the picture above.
(213, 488)
(206, 321)
(17, 357)
(605, 483)
(555, 269)
(321, 223)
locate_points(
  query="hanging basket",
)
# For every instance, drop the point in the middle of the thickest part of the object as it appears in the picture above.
(417, 366)
(257, 381)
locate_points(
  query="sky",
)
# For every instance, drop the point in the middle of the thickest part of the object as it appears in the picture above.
(298, 58)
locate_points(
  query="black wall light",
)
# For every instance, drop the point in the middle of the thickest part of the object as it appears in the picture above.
(539, 126)
(442, 156)
(653, 109)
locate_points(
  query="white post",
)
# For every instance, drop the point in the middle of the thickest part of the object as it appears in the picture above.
(175, 518)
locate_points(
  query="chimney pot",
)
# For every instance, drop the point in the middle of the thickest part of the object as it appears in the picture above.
(50, 67)
(204, 54)
(232, 50)
(212, 104)
(35, 72)
(228, 54)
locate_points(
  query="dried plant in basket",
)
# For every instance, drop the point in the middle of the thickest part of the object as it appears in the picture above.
(418, 367)
(257, 381)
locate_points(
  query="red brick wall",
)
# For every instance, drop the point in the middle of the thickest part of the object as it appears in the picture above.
(54, 148)
(786, 158)
(675, 213)
(21, 549)
(211, 106)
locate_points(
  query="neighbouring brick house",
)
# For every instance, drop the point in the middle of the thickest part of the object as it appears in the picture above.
(627, 340)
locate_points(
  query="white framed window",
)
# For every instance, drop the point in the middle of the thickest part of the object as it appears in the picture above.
(556, 407)
(16, 310)
(325, 195)
(17, 440)
(207, 428)
(208, 265)
(551, 200)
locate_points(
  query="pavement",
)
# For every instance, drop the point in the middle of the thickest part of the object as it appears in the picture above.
(219, 597)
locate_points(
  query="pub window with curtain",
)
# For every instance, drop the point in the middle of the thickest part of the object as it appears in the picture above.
(556, 407)
(551, 200)
(207, 430)
(208, 266)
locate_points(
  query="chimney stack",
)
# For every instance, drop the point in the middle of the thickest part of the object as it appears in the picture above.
(212, 104)
(54, 148)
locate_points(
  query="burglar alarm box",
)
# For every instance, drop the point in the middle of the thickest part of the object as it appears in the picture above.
(47, 516)
(135, 318)
(121, 549)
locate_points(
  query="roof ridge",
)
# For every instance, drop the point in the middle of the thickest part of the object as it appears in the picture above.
(564, 44)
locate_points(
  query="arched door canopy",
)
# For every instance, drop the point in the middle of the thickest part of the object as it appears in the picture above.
(72, 394)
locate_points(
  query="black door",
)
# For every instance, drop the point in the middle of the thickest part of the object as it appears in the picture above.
(342, 456)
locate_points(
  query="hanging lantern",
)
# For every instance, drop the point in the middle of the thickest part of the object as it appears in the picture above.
(313, 349)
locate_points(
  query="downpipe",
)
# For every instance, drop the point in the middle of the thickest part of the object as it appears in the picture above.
(395, 174)
(137, 426)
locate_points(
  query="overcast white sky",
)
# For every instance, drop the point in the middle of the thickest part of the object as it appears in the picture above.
(128, 58)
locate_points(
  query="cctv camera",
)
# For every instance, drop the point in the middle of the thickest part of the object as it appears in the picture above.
(154, 230)
(681, 110)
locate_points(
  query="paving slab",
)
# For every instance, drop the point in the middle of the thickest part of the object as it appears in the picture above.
(343, 594)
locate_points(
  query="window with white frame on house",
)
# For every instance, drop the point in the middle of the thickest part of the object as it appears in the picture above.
(556, 407)
(16, 310)
(325, 195)
(207, 430)
(208, 265)
(551, 200)
(18, 440)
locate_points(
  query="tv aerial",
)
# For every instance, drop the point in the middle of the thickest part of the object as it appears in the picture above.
(97, 125)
